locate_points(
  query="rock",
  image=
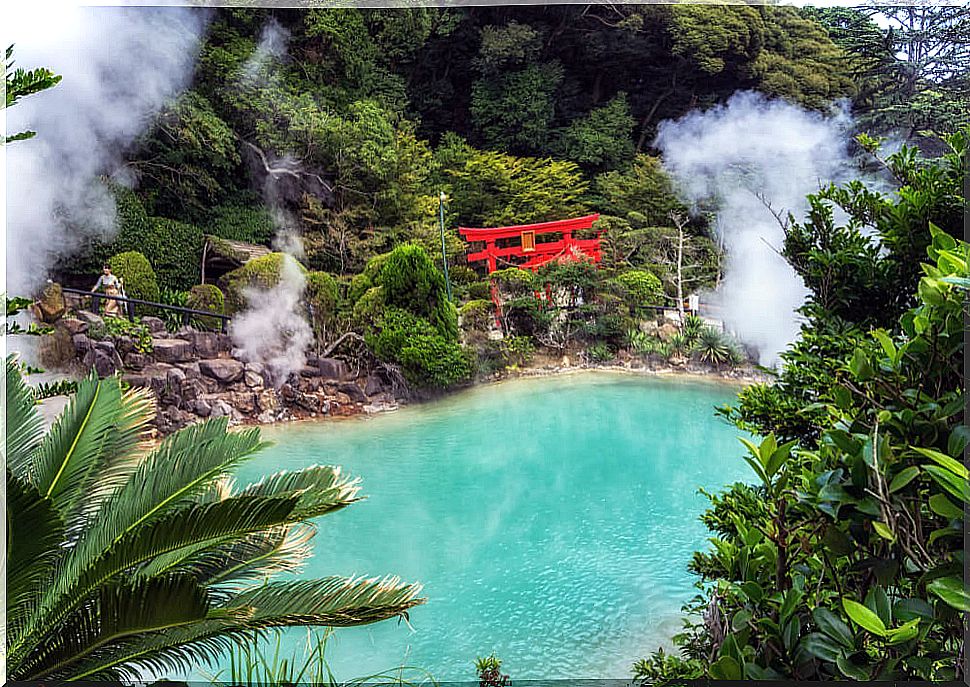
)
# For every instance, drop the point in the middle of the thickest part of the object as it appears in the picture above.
(207, 344)
(135, 379)
(124, 344)
(667, 330)
(175, 377)
(135, 361)
(102, 363)
(354, 392)
(74, 325)
(244, 403)
(192, 389)
(252, 380)
(82, 344)
(191, 369)
(108, 350)
(267, 401)
(156, 325)
(332, 368)
(220, 408)
(90, 318)
(200, 407)
(225, 370)
(310, 371)
(172, 350)
(373, 385)
(51, 305)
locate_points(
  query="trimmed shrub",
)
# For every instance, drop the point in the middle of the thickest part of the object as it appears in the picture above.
(249, 222)
(262, 272)
(174, 249)
(368, 308)
(479, 290)
(640, 288)
(412, 282)
(138, 275)
(207, 297)
(427, 359)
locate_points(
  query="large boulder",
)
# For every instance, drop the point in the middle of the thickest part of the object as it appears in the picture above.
(74, 325)
(354, 392)
(208, 344)
(225, 370)
(51, 305)
(172, 350)
(332, 368)
(101, 362)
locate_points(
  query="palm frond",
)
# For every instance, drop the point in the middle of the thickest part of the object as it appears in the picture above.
(119, 611)
(254, 557)
(95, 427)
(320, 488)
(189, 526)
(35, 531)
(185, 465)
(24, 425)
(331, 601)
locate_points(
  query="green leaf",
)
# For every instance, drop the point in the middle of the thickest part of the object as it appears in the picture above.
(954, 466)
(887, 344)
(959, 438)
(883, 530)
(908, 609)
(725, 668)
(952, 591)
(852, 670)
(821, 646)
(903, 478)
(944, 507)
(952, 483)
(832, 625)
(753, 591)
(859, 365)
(863, 617)
(904, 632)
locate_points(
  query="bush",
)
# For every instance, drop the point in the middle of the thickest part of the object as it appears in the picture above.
(640, 288)
(479, 290)
(426, 357)
(517, 350)
(262, 272)
(477, 315)
(175, 250)
(207, 297)
(138, 275)
(323, 297)
(412, 282)
(117, 326)
(599, 353)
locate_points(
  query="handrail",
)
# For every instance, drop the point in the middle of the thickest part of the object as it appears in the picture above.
(163, 306)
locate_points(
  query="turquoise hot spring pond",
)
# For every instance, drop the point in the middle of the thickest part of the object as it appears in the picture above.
(550, 520)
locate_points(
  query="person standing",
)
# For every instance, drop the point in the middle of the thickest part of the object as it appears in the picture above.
(113, 286)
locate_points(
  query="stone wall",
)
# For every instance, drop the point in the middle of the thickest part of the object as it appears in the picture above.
(195, 374)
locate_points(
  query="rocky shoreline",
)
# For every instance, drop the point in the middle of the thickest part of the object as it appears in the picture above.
(195, 374)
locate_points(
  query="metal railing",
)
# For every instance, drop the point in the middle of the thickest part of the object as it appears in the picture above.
(131, 302)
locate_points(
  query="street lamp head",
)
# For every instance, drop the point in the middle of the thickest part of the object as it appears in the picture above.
(442, 197)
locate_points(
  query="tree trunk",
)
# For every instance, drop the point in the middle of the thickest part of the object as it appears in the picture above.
(680, 273)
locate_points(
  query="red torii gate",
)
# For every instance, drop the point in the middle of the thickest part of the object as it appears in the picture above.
(536, 253)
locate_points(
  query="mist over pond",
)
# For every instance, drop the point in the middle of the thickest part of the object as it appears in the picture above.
(550, 520)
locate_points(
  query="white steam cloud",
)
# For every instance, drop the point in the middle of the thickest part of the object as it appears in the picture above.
(273, 331)
(732, 154)
(119, 66)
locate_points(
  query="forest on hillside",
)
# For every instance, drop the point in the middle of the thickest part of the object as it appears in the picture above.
(344, 126)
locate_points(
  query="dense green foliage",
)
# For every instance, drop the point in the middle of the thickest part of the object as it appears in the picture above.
(121, 564)
(845, 559)
(408, 319)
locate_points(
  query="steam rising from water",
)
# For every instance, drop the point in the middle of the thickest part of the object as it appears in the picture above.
(273, 331)
(119, 65)
(730, 155)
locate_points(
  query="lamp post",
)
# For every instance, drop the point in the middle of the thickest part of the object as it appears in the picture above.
(441, 226)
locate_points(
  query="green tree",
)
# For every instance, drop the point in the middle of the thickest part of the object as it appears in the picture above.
(121, 563)
(603, 139)
(845, 559)
(21, 83)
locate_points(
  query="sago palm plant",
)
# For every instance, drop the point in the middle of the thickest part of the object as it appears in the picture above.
(126, 559)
